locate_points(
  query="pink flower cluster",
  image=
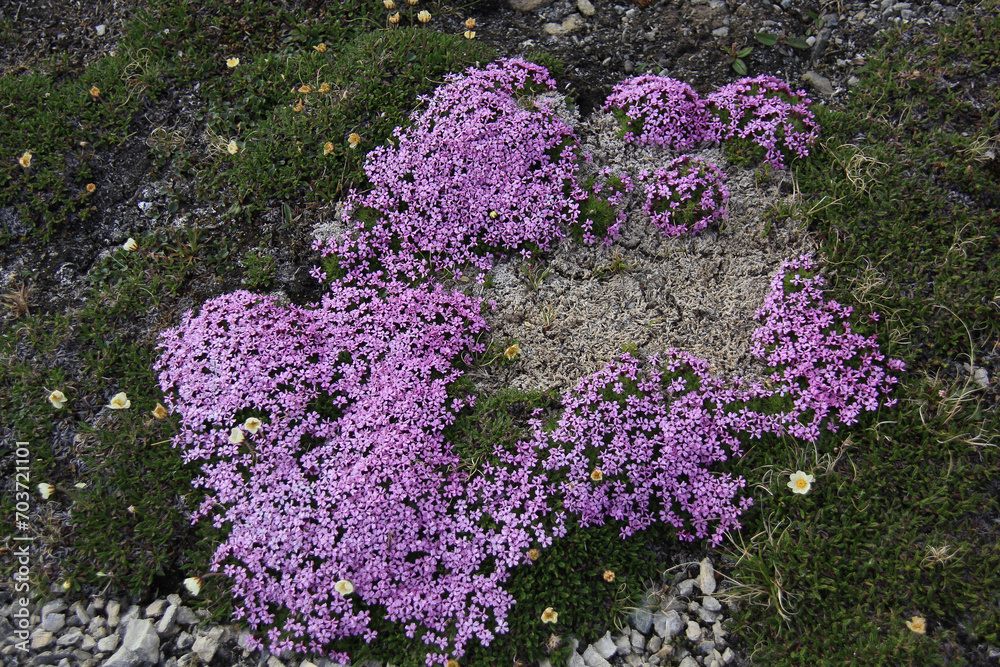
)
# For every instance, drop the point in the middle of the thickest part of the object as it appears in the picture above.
(765, 111)
(685, 196)
(480, 171)
(661, 111)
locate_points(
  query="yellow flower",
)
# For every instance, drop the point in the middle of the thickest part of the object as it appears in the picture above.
(424, 16)
(389, 4)
(327, 148)
(918, 625)
(321, 47)
(46, 490)
(252, 424)
(412, 2)
(95, 92)
(470, 24)
(80, 485)
(609, 576)
(800, 482)
(534, 554)
(451, 663)
(233, 147)
(470, 34)
(66, 585)
(597, 475)
(91, 188)
(394, 19)
(512, 351)
(232, 62)
(236, 435)
(193, 584)
(305, 90)
(493, 215)
(130, 245)
(57, 399)
(120, 401)
(160, 412)
(130, 509)
(549, 616)
(324, 87)
(354, 139)
(298, 106)
(25, 159)
(344, 587)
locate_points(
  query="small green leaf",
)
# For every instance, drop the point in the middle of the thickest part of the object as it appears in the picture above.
(798, 43)
(743, 53)
(766, 38)
(740, 67)
(286, 212)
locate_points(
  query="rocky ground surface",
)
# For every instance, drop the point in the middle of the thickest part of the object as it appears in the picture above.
(602, 42)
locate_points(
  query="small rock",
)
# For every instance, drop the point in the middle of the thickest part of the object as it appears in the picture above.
(183, 641)
(166, 625)
(685, 588)
(592, 658)
(819, 82)
(42, 640)
(174, 600)
(206, 645)
(112, 610)
(585, 7)
(624, 645)
(88, 643)
(141, 639)
(71, 637)
(273, 661)
(53, 622)
(638, 641)
(728, 656)
(123, 658)
(688, 661)
(628, 66)
(569, 24)
(101, 29)
(705, 648)
(605, 646)
(654, 644)
(721, 32)
(706, 577)
(185, 616)
(53, 607)
(575, 660)
(154, 610)
(107, 644)
(96, 623)
(641, 619)
(711, 604)
(708, 617)
(693, 631)
(529, 5)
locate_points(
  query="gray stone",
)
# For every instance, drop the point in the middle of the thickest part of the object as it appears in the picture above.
(705, 647)
(585, 7)
(592, 658)
(184, 641)
(166, 626)
(654, 644)
(632, 660)
(141, 639)
(123, 658)
(54, 607)
(42, 640)
(88, 643)
(709, 617)
(575, 660)
(693, 631)
(206, 645)
(686, 587)
(721, 32)
(688, 661)
(96, 623)
(820, 83)
(273, 661)
(667, 624)
(623, 644)
(133, 613)
(53, 622)
(671, 603)
(569, 24)
(728, 656)
(81, 613)
(112, 612)
(711, 604)
(71, 637)
(628, 66)
(638, 641)
(154, 610)
(529, 5)
(706, 577)
(100, 633)
(719, 633)
(641, 619)
(174, 600)
(605, 646)
(185, 616)
(101, 29)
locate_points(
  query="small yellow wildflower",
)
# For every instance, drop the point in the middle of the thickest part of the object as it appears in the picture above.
(412, 2)
(470, 34)
(549, 616)
(609, 576)
(193, 584)
(597, 475)
(344, 587)
(130, 509)
(354, 139)
(298, 106)
(321, 47)
(305, 90)
(424, 16)
(512, 351)
(233, 147)
(120, 402)
(236, 435)
(470, 24)
(534, 554)
(57, 399)
(327, 148)
(25, 160)
(918, 625)
(91, 188)
(800, 482)
(389, 4)
(451, 663)
(324, 87)
(493, 215)
(130, 245)
(160, 412)
(252, 424)
(394, 19)
(233, 62)
(46, 490)
(95, 92)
